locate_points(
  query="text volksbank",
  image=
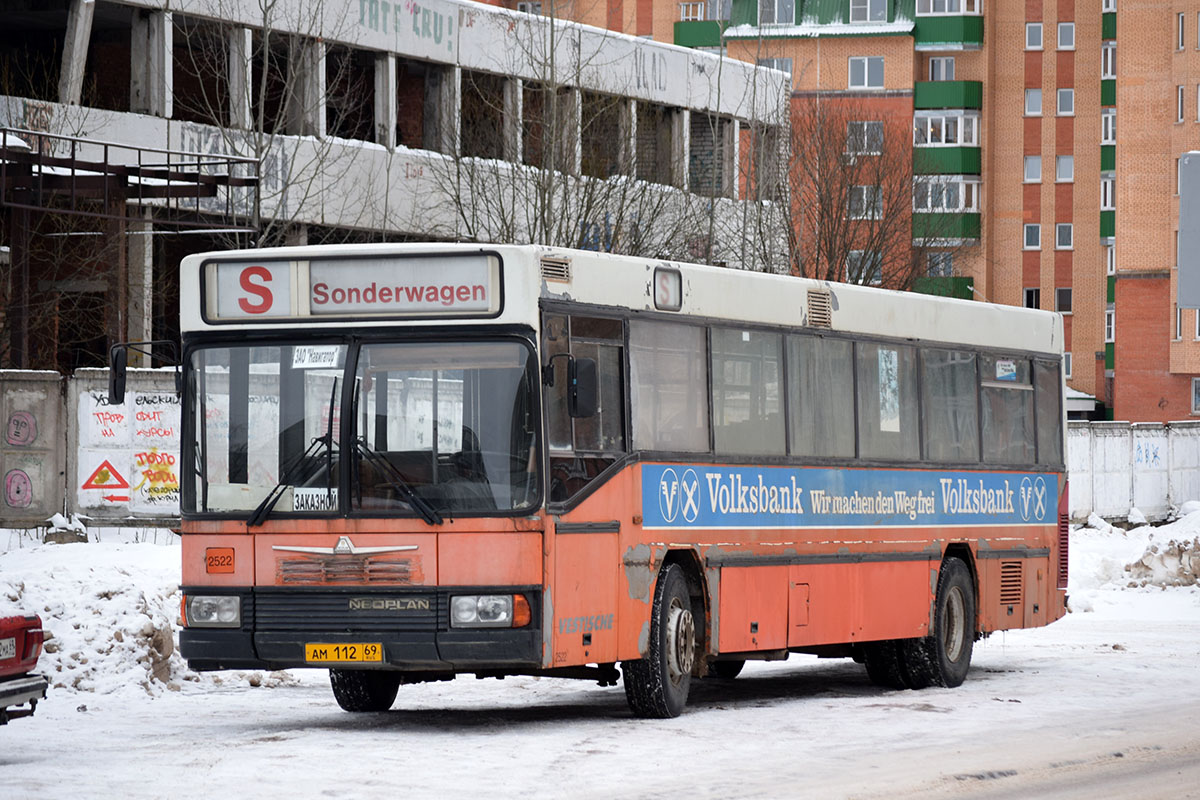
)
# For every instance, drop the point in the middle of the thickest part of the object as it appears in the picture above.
(702, 495)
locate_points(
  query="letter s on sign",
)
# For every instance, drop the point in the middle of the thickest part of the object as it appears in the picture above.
(266, 298)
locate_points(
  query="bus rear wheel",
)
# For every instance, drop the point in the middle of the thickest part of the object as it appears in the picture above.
(657, 686)
(943, 658)
(364, 689)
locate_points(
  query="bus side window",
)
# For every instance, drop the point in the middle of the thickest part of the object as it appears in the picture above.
(1047, 392)
(746, 396)
(887, 402)
(948, 381)
(581, 448)
(820, 396)
(669, 386)
(1007, 398)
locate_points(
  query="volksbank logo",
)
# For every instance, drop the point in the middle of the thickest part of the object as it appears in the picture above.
(679, 496)
(1033, 498)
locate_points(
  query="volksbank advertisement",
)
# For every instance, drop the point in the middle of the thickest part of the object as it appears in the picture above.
(715, 496)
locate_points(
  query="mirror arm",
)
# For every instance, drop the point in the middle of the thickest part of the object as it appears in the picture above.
(548, 369)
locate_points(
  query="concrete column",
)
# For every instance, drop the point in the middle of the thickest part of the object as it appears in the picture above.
(627, 130)
(241, 78)
(571, 132)
(729, 167)
(514, 114)
(681, 142)
(75, 49)
(296, 236)
(443, 109)
(385, 100)
(140, 255)
(151, 63)
(306, 114)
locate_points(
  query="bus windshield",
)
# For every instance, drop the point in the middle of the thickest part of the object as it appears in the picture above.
(436, 428)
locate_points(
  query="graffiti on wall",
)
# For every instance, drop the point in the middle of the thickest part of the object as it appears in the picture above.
(28, 458)
(129, 454)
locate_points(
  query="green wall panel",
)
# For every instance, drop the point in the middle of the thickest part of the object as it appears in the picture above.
(965, 31)
(1108, 223)
(1108, 28)
(945, 226)
(1108, 92)
(946, 160)
(955, 286)
(698, 33)
(1108, 157)
(948, 94)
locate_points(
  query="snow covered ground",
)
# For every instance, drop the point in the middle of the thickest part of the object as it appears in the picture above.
(126, 718)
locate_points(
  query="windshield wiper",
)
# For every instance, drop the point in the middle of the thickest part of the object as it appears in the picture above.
(286, 475)
(397, 481)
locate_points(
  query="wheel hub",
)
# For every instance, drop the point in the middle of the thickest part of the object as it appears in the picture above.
(681, 642)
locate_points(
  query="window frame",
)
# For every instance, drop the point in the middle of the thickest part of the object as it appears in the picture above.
(1108, 61)
(1034, 93)
(964, 122)
(1179, 104)
(1059, 228)
(1030, 27)
(1108, 198)
(1060, 94)
(867, 125)
(1108, 125)
(1110, 325)
(872, 192)
(967, 187)
(1036, 229)
(1064, 298)
(943, 62)
(1029, 160)
(866, 67)
(1196, 395)
(1065, 27)
(1033, 293)
(961, 8)
(865, 7)
(1180, 31)
(1059, 160)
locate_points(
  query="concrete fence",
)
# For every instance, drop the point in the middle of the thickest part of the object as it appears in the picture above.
(66, 450)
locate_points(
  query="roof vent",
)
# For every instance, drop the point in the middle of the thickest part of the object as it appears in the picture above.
(820, 308)
(556, 269)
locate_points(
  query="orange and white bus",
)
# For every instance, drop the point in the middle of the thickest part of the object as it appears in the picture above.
(408, 462)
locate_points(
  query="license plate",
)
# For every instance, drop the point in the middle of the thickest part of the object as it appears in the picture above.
(8, 648)
(317, 653)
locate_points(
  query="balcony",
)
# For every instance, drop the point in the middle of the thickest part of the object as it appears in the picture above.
(958, 286)
(944, 226)
(946, 160)
(948, 33)
(699, 33)
(948, 94)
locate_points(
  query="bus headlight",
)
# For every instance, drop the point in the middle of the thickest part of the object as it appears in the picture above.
(213, 611)
(489, 611)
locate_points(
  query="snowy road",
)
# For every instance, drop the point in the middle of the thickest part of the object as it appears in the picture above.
(1105, 702)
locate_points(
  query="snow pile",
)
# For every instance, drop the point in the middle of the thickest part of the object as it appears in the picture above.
(1174, 562)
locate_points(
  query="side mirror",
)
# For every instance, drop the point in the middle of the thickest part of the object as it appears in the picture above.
(583, 387)
(118, 358)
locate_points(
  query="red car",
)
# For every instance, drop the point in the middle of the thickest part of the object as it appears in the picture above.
(21, 641)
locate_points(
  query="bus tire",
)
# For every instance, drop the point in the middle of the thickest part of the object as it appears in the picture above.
(364, 689)
(726, 670)
(943, 658)
(885, 664)
(657, 686)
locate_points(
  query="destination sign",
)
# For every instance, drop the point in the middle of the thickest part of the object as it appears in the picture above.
(353, 288)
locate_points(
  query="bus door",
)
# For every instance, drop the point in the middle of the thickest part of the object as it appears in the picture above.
(588, 496)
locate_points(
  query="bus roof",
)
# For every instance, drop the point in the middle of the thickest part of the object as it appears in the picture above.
(532, 273)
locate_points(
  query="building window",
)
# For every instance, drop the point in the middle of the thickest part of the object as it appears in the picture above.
(1110, 259)
(1066, 102)
(1108, 60)
(1178, 323)
(1062, 299)
(866, 72)
(1033, 169)
(1064, 169)
(1033, 236)
(1108, 126)
(1178, 175)
(1067, 365)
(954, 194)
(939, 264)
(1033, 102)
(688, 12)
(1108, 5)
(776, 12)
(1179, 31)
(536, 8)
(1033, 297)
(864, 267)
(929, 7)
(1110, 325)
(864, 138)
(1066, 35)
(1064, 236)
(868, 10)
(781, 64)
(946, 128)
(1196, 395)
(1108, 196)
(941, 68)
(1033, 36)
(1179, 104)
(866, 202)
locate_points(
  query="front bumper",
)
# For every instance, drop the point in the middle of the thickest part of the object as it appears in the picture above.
(412, 625)
(18, 692)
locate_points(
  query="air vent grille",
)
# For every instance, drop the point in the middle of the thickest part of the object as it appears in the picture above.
(1064, 537)
(1011, 583)
(820, 308)
(556, 269)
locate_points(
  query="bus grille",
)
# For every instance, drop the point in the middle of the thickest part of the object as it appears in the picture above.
(820, 308)
(348, 611)
(1011, 583)
(337, 569)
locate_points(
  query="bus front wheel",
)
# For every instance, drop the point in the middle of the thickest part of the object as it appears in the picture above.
(364, 690)
(657, 686)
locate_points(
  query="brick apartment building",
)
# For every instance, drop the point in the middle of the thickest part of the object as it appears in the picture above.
(1016, 103)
